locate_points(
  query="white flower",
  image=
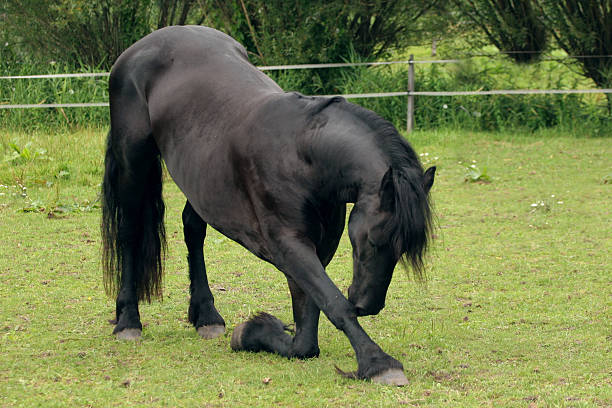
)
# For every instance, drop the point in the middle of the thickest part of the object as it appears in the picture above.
(445, 106)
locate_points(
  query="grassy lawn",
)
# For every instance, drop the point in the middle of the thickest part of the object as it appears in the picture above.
(517, 310)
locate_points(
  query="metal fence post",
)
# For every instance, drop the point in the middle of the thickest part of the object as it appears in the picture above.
(410, 107)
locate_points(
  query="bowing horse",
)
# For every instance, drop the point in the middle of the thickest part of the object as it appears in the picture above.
(269, 169)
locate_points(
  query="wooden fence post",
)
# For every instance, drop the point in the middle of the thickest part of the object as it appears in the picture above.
(410, 108)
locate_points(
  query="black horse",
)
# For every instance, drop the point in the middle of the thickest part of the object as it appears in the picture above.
(268, 169)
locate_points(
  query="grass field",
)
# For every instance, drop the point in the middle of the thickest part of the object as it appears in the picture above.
(517, 310)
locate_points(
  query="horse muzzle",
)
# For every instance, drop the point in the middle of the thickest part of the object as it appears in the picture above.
(368, 310)
(364, 307)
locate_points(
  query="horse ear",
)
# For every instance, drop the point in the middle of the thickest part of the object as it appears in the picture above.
(387, 192)
(428, 178)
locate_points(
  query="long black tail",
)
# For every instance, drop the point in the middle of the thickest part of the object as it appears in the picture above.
(141, 231)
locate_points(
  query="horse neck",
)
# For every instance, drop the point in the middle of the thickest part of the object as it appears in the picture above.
(352, 167)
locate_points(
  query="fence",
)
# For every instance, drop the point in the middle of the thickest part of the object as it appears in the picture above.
(410, 93)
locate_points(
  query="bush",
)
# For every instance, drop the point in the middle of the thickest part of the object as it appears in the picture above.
(44, 91)
(483, 112)
(495, 112)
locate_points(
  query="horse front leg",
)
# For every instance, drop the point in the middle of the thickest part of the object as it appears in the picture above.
(202, 312)
(300, 263)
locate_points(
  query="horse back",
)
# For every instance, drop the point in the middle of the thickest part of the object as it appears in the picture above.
(229, 135)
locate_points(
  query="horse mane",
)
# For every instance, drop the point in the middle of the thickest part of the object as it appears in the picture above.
(410, 226)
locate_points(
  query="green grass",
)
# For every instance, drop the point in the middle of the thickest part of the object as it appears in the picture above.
(517, 310)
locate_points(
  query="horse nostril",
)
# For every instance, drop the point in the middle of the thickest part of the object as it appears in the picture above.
(368, 310)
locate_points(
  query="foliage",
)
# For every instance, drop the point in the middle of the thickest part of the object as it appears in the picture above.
(94, 33)
(91, 33)
(494, 112)
(76, 31)
(516, 311)
(179, 12)
(323, 31)
(59, 90)
(583, 28)
(511, 25)
(584, 113)
(277, 32)
(23, 154)
(473, 174)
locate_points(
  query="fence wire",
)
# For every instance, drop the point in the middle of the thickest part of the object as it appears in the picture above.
(311, 66)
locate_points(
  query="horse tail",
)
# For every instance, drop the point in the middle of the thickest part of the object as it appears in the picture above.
(140, 230)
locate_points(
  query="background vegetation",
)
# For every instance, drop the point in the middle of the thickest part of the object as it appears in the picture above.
(566, 43)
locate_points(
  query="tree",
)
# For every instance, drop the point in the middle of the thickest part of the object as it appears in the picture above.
(314, 31)
(275, 32)
(583, 29)
(177, 12)
(511, 25)
(89, 32)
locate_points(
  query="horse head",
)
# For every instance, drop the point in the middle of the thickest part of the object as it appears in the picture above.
(385, 227)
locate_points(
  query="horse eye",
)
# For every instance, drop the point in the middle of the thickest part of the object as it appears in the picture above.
(377, 238)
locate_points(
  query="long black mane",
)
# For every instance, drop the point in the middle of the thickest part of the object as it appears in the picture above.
(411, 225)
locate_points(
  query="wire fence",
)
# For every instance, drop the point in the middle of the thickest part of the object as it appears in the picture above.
(410, 93)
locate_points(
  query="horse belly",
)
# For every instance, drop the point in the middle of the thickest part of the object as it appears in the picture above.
(206, 181)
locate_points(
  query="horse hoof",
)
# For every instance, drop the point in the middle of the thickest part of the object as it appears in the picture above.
(392, 376)
(211, 332)
(129, 334)
(236, 342)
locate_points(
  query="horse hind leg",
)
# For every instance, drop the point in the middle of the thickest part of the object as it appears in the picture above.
(132, 220)
(264, 332)
(202, 312)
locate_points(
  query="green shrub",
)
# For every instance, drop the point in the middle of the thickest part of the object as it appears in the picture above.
(482, 112)
(493, 112)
